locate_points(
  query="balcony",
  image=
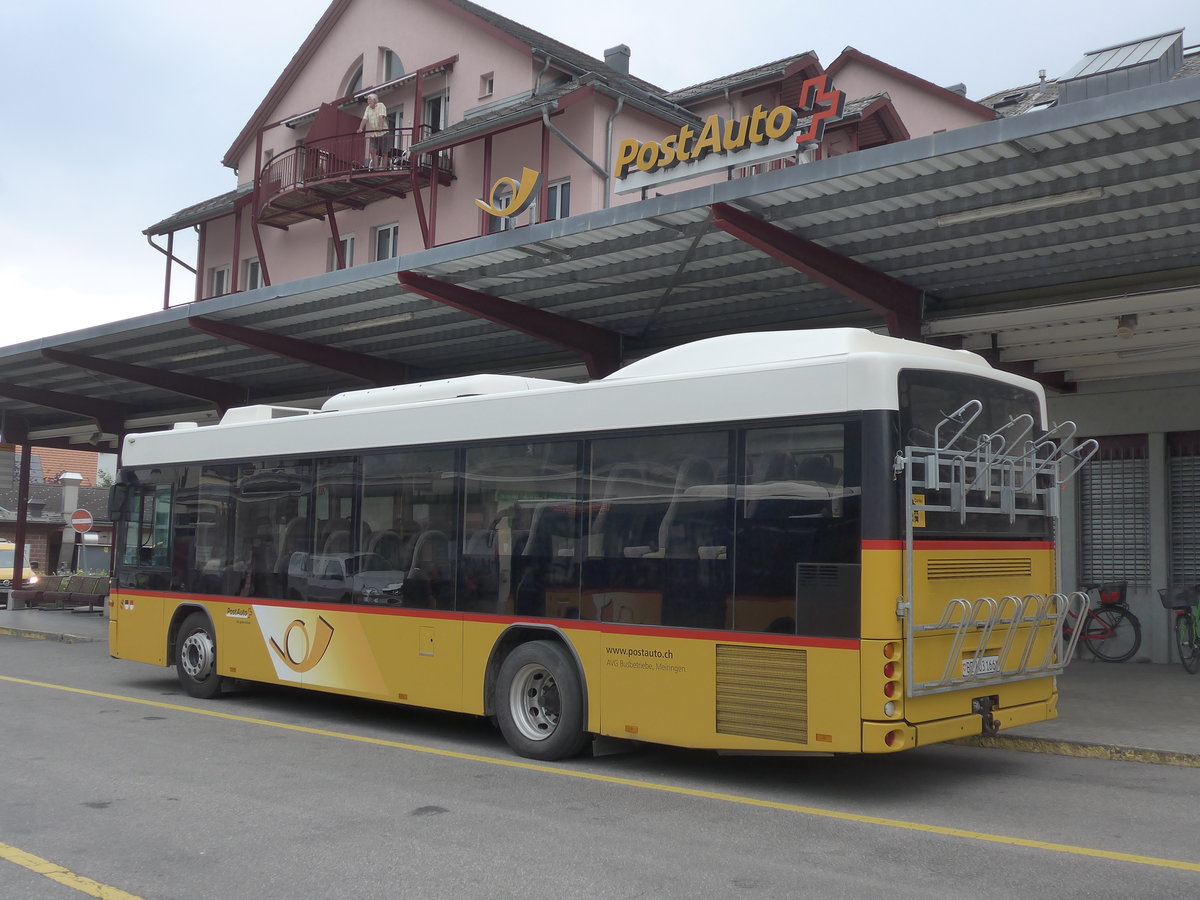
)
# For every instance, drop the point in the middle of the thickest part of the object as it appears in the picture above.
(338, 172)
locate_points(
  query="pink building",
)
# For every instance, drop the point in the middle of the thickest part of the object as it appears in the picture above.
(474, 100)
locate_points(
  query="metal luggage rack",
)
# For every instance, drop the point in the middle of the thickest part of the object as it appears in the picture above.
(990, 476)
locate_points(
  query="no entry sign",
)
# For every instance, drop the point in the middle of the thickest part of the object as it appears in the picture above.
(81, 521)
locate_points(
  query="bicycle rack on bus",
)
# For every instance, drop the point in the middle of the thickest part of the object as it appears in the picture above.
(990, 477)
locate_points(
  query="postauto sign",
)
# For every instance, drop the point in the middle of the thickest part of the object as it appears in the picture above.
(762, 135)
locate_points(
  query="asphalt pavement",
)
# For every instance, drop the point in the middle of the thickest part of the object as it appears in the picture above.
(1144, 712)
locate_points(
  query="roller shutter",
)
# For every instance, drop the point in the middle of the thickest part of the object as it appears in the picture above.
(1184, 499)
(1114, 514)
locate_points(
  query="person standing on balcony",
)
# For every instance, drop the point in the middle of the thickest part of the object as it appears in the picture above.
(374, 123)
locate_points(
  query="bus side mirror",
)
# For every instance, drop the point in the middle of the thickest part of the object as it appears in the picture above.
(118, 501)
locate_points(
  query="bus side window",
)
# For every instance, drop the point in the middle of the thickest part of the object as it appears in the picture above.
(799, 531)
(148, 528)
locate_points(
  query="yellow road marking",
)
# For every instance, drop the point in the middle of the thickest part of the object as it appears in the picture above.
(55, 872)
(22, 632)
(815, 811)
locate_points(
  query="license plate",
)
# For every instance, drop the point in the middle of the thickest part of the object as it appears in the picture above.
(982, 665)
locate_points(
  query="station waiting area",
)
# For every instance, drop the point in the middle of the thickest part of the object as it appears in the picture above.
(61, 592)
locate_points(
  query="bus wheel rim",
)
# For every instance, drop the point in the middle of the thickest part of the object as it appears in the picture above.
(198, 655)
(534, 702)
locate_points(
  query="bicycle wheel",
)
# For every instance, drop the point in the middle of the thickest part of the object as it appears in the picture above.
(1112, 633)
(1186, 643)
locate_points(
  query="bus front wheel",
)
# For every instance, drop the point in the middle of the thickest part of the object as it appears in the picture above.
(539, 702)
(196, 658)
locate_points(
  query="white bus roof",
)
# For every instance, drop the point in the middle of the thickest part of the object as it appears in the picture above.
(774, 348)
(730, 378)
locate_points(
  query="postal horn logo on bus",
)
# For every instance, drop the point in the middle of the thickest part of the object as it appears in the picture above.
(510, 197)
(818, 100)
(300, 651)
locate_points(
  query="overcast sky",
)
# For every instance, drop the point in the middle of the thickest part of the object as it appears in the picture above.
(116, 114)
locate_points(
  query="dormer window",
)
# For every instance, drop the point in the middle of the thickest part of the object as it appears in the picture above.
(1010, 99)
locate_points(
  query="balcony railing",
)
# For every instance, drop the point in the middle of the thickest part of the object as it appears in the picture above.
(351, 155)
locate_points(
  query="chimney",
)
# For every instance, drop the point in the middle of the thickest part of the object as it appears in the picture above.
(617, 58)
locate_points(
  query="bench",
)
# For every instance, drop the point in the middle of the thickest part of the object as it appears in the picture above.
(58, 591)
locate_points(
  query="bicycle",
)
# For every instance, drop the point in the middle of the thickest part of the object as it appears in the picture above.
(1110, 631)
(1184, 602)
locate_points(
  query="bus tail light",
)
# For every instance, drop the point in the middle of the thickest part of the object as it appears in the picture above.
(892, 689)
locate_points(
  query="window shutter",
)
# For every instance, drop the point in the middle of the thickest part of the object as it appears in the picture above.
(1114, 491)
(1184, 498)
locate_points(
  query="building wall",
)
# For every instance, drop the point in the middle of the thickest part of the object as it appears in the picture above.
(421, 33)
(424, 32)
(922, 111)
(1154, 407)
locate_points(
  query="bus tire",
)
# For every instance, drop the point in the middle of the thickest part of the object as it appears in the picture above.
(196, 658)
(539, 702)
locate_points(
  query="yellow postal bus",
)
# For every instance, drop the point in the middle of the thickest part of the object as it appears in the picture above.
(8, 561)
(807, 542)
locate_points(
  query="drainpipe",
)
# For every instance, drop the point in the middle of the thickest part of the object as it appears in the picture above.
(202, 231)
(537, 79)
(169, 253)
(608, 139)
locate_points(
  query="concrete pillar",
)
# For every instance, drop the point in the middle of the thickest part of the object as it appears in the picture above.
(70, 482)
(1156, 624)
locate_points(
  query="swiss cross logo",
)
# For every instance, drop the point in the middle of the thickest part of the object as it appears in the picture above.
(816, 91)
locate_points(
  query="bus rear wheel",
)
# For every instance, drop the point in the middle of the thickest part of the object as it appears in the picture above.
(539, 702)
(196, 658)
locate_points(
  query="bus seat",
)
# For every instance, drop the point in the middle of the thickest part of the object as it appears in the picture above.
(337, 542)
(693, 472)
(780, 467)
(393, 547)
(295, 540)
(818, 468)
(429, 569)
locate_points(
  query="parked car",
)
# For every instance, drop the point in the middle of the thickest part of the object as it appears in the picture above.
(344, 578)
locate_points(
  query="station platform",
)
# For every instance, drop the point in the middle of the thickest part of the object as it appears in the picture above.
(1144, 712)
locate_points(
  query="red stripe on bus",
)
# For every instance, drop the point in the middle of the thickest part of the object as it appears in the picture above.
(960, 545)
(740, 637)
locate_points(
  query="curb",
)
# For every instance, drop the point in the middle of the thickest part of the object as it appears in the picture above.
(1082, 750)
(35, 635)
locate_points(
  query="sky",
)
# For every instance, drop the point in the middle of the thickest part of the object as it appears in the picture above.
(117, 113)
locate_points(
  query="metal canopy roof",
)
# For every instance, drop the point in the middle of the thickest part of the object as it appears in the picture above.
(1026, 238)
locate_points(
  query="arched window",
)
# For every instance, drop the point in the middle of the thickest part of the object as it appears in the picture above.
(390, 64)
(354, 79)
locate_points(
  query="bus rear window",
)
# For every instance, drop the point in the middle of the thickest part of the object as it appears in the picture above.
(927, 398)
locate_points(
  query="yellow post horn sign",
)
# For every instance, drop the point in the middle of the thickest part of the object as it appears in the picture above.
(299, 651)
(522, 192)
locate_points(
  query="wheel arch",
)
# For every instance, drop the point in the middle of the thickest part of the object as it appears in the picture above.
(182, 611)
(523, 633)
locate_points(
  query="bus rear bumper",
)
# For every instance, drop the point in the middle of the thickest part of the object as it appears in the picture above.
(888, 737)
(1006, 717)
